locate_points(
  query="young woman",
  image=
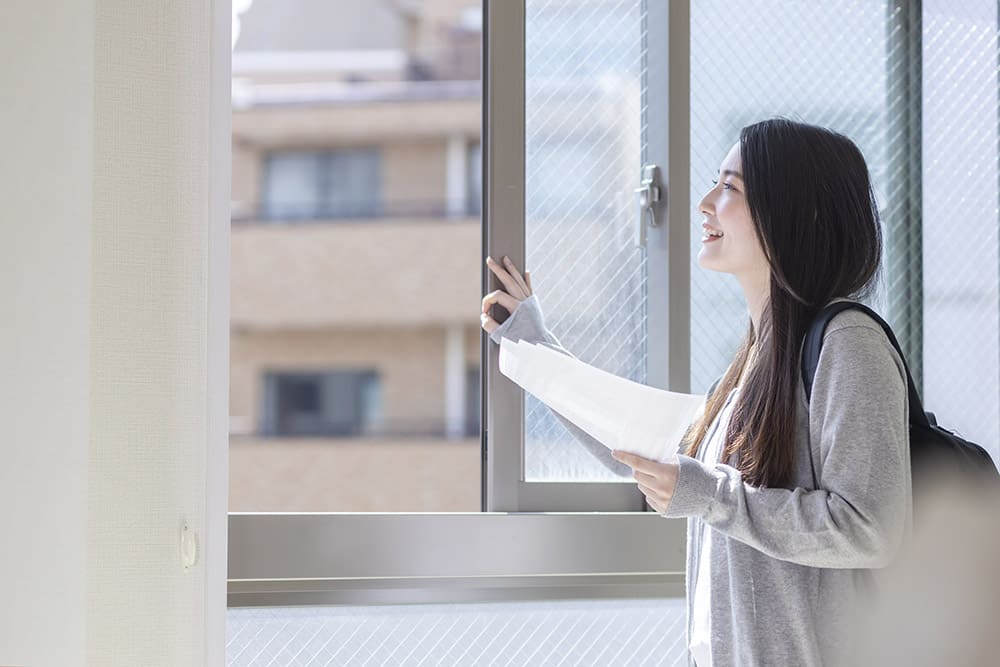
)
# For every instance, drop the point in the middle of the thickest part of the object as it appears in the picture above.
(791, 504)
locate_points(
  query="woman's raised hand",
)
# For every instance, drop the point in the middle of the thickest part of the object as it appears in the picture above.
(518, 289)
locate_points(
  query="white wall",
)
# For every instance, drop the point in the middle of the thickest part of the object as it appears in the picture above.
(45, 335)
(114, 339)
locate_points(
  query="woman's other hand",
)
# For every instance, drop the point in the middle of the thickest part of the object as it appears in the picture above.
(656, 479)
(518, 289)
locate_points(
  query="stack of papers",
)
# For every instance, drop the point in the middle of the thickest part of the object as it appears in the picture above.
(618, 412)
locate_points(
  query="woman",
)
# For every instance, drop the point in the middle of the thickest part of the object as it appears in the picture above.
(791, 504)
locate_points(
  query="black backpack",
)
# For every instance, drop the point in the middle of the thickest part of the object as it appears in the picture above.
(933, 450)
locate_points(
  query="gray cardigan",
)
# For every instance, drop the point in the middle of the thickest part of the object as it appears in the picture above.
(803, 557)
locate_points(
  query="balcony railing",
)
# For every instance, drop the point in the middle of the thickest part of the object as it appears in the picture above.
(302, 426)
(367, 209)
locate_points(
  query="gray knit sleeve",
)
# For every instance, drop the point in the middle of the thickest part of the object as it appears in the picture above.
(862, 510)
(526, 323)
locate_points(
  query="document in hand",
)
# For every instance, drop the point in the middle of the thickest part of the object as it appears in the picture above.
(620, 413)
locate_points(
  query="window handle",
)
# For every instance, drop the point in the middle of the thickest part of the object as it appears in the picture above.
(647, 194)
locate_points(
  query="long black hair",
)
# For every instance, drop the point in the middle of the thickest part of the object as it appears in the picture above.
(814, 212)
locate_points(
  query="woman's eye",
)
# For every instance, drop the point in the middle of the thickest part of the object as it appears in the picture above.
(714, 181)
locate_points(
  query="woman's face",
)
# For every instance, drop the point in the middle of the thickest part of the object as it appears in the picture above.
(725, 209)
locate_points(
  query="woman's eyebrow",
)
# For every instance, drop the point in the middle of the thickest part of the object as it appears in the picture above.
(734, 173)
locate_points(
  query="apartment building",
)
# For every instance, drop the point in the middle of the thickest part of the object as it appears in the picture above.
(355, 292)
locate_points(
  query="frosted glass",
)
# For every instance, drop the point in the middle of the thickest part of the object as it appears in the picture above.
(583, 149)
(822, 63)
(577, 632)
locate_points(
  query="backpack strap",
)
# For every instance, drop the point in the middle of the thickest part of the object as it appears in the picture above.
(814, 342)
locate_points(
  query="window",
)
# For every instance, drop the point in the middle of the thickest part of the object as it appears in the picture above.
(337, 403)
(578, 97)
(321, 184)
(474, 178)
(472, 401)
(585, 137)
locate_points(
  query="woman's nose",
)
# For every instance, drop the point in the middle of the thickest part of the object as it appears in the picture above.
(704, 206)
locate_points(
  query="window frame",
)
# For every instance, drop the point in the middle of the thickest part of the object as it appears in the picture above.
(904, 26)
(581, 540)
(666, 131)
(585, 540)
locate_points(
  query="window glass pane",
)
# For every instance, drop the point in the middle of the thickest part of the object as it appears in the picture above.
(961, 218)
(851, 66)
(583, 73)
(292, 186)
(550, 632)
(474, 178)
(370, 404)
(331, 404)
(822, 63)
(322, 184)
(473, 401)
(352, 184)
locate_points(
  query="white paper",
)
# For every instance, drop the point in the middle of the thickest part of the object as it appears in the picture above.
(618, 412)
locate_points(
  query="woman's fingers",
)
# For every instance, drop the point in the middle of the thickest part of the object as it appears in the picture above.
(499, 297)
(488, 323)
(518, 289)
(515, 286)
(502, 298)
(516, 275)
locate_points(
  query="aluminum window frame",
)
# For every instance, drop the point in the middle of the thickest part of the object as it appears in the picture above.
(666, 131)
(904, 34)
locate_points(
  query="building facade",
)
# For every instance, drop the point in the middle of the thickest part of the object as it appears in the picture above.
(355, 243)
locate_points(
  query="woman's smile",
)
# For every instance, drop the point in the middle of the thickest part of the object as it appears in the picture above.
(710, 234)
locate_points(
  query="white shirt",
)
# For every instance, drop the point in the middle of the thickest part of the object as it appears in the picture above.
(701, 626)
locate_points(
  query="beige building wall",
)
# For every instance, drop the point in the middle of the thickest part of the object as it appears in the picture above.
(385, 273)
(246, 179)
(414, 171)
(377, 475)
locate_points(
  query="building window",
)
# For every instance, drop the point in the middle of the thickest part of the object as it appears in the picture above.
(321, 184)
(472, 401)
(334, 403)
(474, 178)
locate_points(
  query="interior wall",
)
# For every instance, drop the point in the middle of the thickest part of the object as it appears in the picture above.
(114, 345)
(46, 61)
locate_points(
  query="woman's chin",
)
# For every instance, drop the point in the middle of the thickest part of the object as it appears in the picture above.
(708, 264)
